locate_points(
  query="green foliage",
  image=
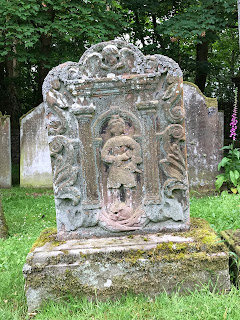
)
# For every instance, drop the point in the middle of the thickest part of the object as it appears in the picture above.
(200, 19)
(231, 165)
(38, 35)
(223, 63)
(79, 23)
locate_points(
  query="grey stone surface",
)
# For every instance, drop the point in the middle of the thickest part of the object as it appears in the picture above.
(35, 164)
(204, 138)
(5, 152)
(117, 143)
(109, 267)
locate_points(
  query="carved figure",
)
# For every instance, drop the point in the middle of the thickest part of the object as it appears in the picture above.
(123, 154)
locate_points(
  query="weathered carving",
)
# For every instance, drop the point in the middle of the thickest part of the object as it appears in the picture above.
(122, 154)
(57, 102)
(112, 58)
(64, 171)
(172, 100)
(174, 164)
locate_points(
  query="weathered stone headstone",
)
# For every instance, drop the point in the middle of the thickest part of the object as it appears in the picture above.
(204, 138)
(35, 165)
(5, 152)
(117, 143)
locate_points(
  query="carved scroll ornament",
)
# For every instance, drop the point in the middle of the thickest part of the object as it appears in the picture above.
(64, 172)
(174, 164)
(57, 102)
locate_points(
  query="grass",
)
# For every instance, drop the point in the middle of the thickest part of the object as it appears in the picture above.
(222, 212)
(29, 211)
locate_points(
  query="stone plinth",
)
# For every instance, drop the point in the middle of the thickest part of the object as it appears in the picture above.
(109, 267)
(5, 152)
(204, 138)
(35, 165)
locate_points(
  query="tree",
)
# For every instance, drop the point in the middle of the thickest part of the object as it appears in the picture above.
(201, 22)
(37, 35)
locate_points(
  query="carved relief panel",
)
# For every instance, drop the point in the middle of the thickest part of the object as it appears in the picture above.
(117, 143)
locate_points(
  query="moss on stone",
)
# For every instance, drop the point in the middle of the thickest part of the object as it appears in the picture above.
(232, 241)
(47, 235)
(24, 115)
(205, 241)
(4, 117)
(210, 102)
(168, 266)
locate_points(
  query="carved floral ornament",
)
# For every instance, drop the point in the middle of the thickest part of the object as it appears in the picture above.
(117, 166)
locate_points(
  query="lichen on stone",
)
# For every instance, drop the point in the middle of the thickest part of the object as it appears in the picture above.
(47, 235)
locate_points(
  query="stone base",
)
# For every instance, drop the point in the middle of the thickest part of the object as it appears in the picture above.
(109, 267)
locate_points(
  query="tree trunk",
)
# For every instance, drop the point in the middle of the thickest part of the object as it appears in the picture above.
(201, 65)
(45, 41)
(156, 36)
(139, 31)
(45, 48)
(10, 96)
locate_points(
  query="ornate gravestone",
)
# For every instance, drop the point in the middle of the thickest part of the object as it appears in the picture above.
(117, 143)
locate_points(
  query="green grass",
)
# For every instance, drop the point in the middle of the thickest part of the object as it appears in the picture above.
(222, 212)
(29, 211)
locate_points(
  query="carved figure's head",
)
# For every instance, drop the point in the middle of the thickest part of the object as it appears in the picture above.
(110, 55)
(116, 125)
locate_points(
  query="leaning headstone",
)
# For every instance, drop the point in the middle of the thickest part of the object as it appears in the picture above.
(35, 165)
(5, 152)
(117, 144)
(204, 138)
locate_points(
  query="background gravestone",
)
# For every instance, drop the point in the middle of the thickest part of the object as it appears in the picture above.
(35, 166)
(117, 143)
(204, 135)
(5, 152)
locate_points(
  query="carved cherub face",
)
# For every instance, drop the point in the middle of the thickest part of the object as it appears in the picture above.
(110, 55)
